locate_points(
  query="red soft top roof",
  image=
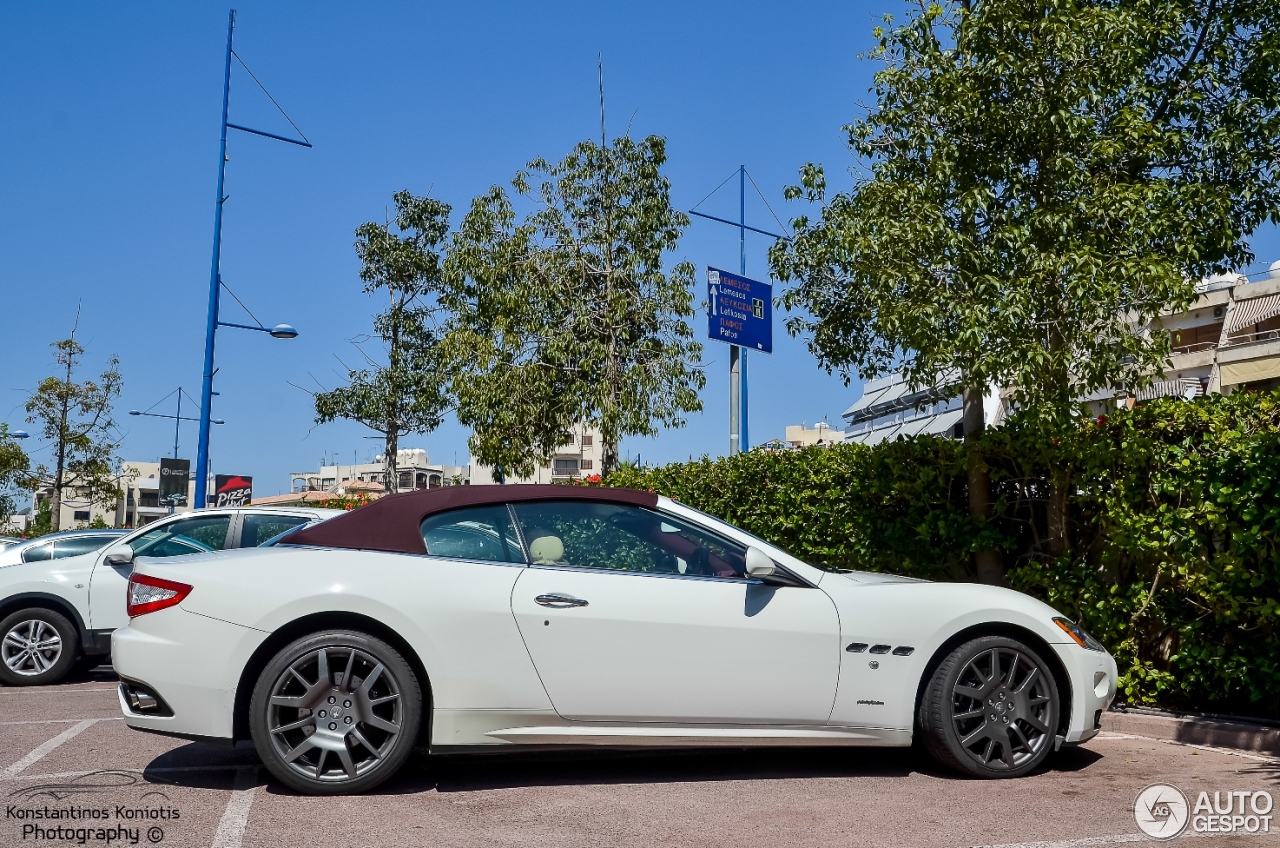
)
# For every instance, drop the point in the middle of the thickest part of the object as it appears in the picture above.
(391, 523)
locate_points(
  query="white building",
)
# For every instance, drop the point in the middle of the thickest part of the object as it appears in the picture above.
(413, 467)
(889, 408)
(580, 457)
(1228, 340)
(822, 433)
(138, 503)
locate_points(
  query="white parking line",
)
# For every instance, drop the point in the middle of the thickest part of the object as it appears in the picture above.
(45, 690)
(236, 817)
(69, 775)
(41, 750)
(58, 721)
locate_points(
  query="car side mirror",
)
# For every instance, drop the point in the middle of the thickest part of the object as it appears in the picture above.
(759, 563)
(119, 554)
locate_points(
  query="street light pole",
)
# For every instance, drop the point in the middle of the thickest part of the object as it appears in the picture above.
(215, 287)
(280, 331)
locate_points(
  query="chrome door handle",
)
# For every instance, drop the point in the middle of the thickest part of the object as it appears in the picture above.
(559, 601)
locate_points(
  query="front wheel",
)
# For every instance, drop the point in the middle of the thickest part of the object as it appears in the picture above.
(335, 713)
(991, 709)
(38, 646)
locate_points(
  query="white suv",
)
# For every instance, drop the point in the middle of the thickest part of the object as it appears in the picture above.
(54, 611)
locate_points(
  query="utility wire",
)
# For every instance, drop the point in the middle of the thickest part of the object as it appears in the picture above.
(766, 202)
(272, 99)
(714, 190)
(157, 403)
(241, 302)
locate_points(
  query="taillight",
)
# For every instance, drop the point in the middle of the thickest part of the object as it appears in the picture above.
(148, 594)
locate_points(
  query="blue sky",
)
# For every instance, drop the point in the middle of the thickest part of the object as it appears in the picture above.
(108, 154)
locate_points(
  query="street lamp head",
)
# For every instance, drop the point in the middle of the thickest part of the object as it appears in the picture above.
(19, 434)
(217, 421)
(134, 412)
(283, 331)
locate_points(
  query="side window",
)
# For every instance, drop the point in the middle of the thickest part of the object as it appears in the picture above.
(77, 545)
(483, 533)
(257, 528)
(581, 534)
(185, 536)
(38, 553)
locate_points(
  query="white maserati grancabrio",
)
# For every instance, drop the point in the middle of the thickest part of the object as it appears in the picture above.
(471, 618)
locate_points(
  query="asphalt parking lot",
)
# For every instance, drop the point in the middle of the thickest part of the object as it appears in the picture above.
(65, 746)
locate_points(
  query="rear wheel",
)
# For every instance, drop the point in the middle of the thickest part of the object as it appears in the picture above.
(37, 646)
(991, 709)
(336, 712)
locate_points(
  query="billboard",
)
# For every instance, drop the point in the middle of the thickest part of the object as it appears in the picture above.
(740, 311)
(174, 474)
(232, 490)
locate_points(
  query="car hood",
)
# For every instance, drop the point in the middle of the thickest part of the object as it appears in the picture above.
(878, 577)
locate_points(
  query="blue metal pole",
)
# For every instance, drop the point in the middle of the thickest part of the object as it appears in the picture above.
(215, 285)
(177, 424)
(744, 443)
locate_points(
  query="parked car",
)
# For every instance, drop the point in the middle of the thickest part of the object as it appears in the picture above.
(60, 545)
(62, 594)
(482, 617)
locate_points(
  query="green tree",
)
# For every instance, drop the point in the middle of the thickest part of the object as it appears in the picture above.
(409, 393)
(75, 419)
(1040, 178)
(14, 465)
(568, 316)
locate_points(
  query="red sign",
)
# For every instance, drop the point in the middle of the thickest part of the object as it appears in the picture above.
(232, 490)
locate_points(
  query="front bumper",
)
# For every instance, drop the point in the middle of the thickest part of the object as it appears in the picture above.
(1093, 688)
(190, 663)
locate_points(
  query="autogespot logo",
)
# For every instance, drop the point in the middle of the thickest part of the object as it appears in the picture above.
(1163, 812)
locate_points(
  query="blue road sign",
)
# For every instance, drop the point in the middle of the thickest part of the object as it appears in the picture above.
(741, 311)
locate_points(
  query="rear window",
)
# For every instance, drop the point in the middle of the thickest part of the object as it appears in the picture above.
(77, 545)
(259, 529)
(38, 553)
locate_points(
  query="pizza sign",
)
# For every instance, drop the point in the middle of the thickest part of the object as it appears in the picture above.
(232, 490)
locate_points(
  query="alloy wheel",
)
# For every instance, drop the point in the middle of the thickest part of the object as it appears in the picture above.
(335, 713)
(31, 647)
(1001, 708)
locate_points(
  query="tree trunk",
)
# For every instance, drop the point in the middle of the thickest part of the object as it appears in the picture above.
(389, 457)
(1059, 518)
(609, 457)
(990, 567)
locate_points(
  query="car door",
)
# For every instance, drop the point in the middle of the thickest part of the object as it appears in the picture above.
(176, 537)
(631, 615)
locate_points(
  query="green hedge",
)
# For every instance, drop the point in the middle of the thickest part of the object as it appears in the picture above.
(1174, 557)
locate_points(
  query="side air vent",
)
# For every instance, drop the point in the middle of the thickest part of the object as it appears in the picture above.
(856, 647)
(903, 651)
(880, 649)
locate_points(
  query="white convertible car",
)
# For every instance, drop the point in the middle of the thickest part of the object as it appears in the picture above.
(473, 618)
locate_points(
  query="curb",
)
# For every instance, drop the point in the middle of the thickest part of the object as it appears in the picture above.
(1196, 731)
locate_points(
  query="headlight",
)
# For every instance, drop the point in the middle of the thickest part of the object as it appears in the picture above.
(1078, 635)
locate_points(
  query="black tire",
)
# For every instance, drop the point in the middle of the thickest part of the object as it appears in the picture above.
(991, 709)
(343, 705)
(21, 666)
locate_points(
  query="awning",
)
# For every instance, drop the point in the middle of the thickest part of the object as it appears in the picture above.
(1234, 373)
(873, 437)
(1171, 388)
(943, 425)
(1250, 312)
